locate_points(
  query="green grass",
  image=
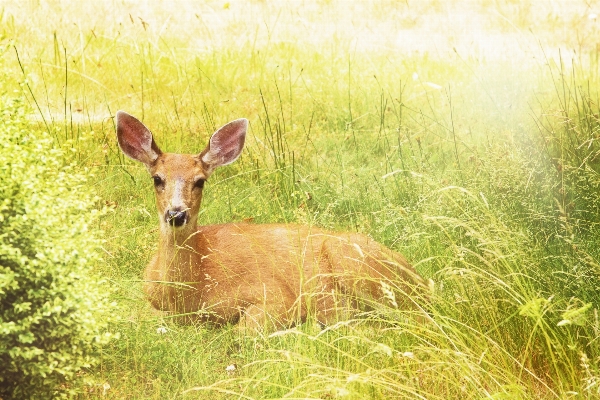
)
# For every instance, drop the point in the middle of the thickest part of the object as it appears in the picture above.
(404, 121)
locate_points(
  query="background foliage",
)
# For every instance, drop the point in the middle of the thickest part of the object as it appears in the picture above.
(463, 134)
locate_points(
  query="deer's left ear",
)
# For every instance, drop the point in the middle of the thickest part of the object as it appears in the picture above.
(225, 145)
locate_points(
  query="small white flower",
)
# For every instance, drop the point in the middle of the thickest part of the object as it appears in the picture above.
(592, 16)
(231, 368)
(415, 76)
(161, 330)
(408, 354)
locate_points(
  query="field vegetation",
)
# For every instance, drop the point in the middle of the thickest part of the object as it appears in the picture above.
(464, 135)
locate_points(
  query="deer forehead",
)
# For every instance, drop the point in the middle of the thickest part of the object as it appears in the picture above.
(186, 167)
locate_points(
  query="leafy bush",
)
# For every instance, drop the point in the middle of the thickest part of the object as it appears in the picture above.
(53, 310)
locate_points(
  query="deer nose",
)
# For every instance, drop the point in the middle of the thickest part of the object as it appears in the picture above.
(176, 217)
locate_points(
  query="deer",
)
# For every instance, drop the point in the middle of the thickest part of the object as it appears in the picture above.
(254, 274)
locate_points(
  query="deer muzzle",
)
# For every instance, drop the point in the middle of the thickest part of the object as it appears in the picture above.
(176, 217)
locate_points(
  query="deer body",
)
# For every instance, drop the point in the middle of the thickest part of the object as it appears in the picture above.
(253, 273)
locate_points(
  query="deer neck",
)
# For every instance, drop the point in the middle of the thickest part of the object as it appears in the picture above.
(180, 251)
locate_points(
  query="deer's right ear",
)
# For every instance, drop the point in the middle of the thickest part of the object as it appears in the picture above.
(135, 140)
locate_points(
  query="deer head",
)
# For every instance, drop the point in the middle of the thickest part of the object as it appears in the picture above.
(179, 178)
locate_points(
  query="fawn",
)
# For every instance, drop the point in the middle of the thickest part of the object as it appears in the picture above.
(253, 273)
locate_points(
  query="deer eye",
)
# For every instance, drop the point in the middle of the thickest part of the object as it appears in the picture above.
(199, 183)
(157, 180)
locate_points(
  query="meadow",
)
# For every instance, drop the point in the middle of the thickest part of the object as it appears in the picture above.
(461, 134)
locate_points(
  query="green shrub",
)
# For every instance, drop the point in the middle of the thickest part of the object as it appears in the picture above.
(53, 310)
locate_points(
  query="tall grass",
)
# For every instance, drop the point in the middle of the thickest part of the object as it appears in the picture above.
(482, 170)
